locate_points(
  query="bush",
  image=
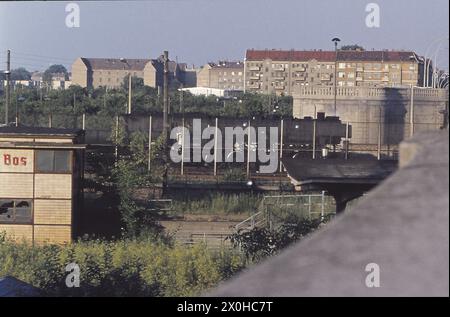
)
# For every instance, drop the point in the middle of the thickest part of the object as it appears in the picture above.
(122, 268)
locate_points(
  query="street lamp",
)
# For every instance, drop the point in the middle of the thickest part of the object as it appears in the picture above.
(336, 40)
(123, 60)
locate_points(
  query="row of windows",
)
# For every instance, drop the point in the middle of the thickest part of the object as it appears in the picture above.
(117, 73)
(232, 80)
(232, 73)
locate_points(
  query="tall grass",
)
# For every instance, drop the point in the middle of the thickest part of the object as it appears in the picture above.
(218, 203)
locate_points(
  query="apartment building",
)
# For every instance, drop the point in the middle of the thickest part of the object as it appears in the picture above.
(110, 72)
(281, 72)
(222, 75)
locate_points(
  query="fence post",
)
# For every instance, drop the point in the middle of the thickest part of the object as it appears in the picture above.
(322, 213)
(347, 141)
(83, 121)
(309, 206)
(314, 139)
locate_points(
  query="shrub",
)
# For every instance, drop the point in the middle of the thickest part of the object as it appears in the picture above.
(122, 268)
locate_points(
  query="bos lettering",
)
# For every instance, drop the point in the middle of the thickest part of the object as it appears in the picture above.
(9, 160)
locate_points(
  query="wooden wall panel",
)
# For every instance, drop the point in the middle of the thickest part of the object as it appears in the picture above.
(49, 140)
(18, 233)
(3, 139)
(16, 185)
(53, 212)
(52, 234)
(54, 186)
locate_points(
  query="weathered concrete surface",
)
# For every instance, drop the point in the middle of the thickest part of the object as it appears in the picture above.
(369, 109)
(402, 225)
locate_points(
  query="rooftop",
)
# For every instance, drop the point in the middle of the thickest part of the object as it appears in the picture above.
(306, 170)
(116, 63)
(39, 131)
(329, 56)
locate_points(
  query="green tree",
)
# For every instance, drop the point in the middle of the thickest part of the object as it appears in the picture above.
(20, 74)
(54, 69)
(353, 47)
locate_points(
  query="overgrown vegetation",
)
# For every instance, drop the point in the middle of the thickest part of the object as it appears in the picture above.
(262, 242)
(124, 268)
(218, 204)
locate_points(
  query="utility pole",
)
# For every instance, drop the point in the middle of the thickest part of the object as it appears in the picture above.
(8, 79)
(166, 97)
(129, 92)
(181, 100)
(165, 131)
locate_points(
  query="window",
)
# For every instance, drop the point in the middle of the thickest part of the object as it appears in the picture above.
(341, 65)
(15, 211)
(53, 161)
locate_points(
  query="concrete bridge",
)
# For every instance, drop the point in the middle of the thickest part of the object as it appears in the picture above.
(386, 114)
(343, 179)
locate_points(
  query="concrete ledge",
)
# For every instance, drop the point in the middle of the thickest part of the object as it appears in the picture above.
(402, 225)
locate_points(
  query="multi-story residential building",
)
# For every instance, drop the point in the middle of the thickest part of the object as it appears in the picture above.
(110, 72)
(223, 75)
(281, 72)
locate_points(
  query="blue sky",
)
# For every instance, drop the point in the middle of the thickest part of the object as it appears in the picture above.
(198, 31)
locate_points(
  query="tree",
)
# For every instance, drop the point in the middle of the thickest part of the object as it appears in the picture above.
(54, 69)
(20, 74)
(354, 47)
(259, 243)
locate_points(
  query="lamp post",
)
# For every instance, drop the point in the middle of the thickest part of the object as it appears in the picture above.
(336, 40)
(123, 60)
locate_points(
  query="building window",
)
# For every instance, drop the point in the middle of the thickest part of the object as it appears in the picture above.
(53, 161)
(342, 65)
(15, 211)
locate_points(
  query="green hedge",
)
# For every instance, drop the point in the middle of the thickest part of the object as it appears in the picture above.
(123, 268)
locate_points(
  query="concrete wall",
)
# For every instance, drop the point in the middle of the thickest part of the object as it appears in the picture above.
(369, 109)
